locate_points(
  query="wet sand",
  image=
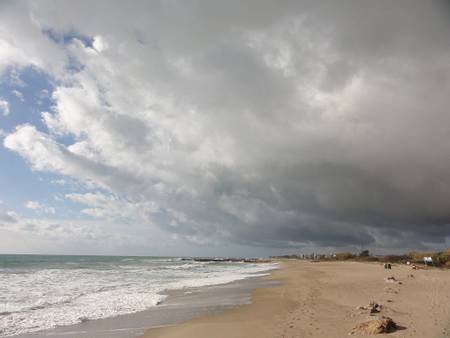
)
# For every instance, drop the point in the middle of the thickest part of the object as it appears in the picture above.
(321, 300)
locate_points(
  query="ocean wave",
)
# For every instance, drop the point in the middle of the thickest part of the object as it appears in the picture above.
(46, 298)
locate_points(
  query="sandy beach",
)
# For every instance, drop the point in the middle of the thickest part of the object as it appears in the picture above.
(321, 300)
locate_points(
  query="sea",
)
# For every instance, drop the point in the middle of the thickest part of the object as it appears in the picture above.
(41, 292)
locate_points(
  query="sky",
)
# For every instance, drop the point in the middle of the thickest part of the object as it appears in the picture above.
(224, 128)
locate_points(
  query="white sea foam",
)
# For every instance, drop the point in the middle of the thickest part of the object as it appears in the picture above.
(40, 296)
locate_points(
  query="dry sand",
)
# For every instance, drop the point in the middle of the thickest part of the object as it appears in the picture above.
(321, 300)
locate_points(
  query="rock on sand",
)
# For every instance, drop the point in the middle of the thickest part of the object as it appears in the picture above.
(376, 326)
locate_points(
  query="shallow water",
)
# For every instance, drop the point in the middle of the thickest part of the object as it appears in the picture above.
(179, 306)
(43, 292)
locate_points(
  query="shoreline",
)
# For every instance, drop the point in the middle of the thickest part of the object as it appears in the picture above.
(321, 299)
(179, 305)
(298, 299)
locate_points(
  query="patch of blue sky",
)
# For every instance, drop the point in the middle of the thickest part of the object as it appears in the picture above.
(66, 37)
(28, 92)
(20, 184)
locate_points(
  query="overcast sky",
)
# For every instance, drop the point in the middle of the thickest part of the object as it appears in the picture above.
(224, 127)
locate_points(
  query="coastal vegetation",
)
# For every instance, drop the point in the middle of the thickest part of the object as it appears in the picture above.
(440, 258)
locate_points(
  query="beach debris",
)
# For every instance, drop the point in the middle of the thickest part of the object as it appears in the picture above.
(375, 326)
(373, 307)
(392, 279)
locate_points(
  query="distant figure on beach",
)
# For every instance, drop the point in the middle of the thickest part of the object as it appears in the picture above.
(387, 266)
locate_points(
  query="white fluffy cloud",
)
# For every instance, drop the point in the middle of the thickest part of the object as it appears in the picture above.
(302, 124)
(22, 42)
(4, 107)
(34, 205)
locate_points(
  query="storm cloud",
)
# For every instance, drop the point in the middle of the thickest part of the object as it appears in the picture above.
(275, 124)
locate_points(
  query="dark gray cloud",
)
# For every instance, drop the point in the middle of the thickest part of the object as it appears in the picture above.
(295, 123)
